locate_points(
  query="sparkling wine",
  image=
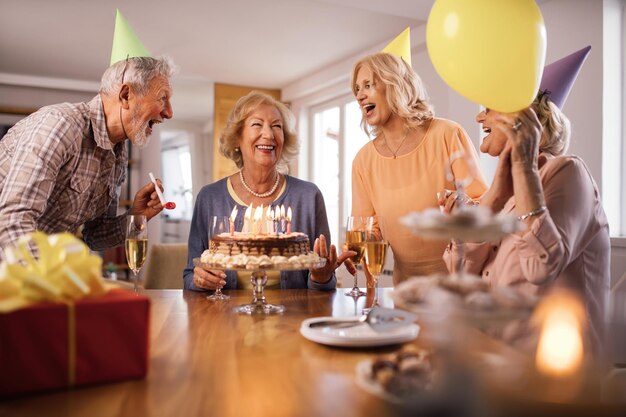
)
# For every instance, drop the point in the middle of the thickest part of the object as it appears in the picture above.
(375, 253)
(136, 252)
(354, 241)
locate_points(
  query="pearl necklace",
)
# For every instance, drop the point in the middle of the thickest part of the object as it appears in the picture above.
(401, 143)
(254, 193)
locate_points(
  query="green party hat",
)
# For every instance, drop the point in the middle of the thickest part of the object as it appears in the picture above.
(401, 46)
(126, 44)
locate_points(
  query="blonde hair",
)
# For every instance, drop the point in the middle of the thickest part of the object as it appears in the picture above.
(555, 135)
(405, 91)
(234, 127)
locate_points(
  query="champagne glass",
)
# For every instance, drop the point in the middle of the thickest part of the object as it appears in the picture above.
(461, 184)
(355, 241)
(375, 252)
(136, 244)
(218, 225)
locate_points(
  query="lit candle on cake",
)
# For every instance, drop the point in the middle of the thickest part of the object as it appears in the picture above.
(233, 216)
(277, 220)
(289, 220)
(261, 224)
(282, 219)
(269, 221)
(257, 223)
(247, 218)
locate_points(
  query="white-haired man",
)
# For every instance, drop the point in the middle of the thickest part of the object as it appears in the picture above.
(63, 166)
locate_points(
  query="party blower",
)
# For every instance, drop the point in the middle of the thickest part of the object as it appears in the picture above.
(168, 205)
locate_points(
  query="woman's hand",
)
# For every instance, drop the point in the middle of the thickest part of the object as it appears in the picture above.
(450, 200)
(525, 141)
(147, 202)
(323, 274)
(208, 279)
(523, 133)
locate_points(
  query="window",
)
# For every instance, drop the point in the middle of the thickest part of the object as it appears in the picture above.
(176, 169)
(336, 138)
(614, 113)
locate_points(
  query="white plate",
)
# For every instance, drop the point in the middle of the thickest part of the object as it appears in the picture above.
(360, 335)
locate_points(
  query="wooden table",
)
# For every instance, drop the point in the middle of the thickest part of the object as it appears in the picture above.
(207, 360)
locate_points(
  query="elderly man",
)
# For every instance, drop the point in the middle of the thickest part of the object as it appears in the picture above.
(62, 166)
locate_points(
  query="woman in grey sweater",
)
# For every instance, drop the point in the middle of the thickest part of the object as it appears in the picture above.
(260, 138)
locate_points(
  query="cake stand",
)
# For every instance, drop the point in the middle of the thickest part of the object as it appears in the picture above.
(259, 305)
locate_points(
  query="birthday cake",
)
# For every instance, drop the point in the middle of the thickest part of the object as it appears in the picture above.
(252, 251)
(265, 243)
(287, 244)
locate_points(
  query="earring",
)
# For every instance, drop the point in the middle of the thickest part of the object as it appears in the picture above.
(237, 150)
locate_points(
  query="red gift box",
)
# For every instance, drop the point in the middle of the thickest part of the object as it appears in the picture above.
(96, 340)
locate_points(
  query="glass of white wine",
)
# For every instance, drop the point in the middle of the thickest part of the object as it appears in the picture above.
(136, 244)
(375, 252)
(217, 225)
(355, 241)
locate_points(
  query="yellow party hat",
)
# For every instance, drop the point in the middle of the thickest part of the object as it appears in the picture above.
(401, 46)
(126, 44)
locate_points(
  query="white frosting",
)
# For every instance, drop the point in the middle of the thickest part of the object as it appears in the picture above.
(219, 260)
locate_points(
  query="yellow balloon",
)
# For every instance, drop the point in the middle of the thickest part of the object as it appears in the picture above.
(490, 51)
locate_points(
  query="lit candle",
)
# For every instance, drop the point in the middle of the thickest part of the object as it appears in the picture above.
(276, 220)
(559, 358)
(247, 218)
(269, 221)
(257, 223)
(289, 220)
(560, 347)
(261, 222)
(282, 219)
(233, 216)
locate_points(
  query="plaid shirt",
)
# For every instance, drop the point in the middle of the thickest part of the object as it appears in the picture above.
(58, 171)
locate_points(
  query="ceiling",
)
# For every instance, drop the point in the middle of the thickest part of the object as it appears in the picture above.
(264, 43)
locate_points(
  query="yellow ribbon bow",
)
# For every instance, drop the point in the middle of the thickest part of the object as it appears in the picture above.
(63, 272)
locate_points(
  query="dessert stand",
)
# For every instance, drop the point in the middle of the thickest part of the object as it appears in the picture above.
(467, 223)
(259, 305)
(471, 224)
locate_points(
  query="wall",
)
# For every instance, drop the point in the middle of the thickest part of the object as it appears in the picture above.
(35, 97)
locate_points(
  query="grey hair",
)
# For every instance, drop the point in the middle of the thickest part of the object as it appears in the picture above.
(139, 72)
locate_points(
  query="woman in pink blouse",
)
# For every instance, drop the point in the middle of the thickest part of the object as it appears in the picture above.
(566, 241)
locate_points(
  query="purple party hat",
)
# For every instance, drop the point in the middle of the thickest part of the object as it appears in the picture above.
(558, 77)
